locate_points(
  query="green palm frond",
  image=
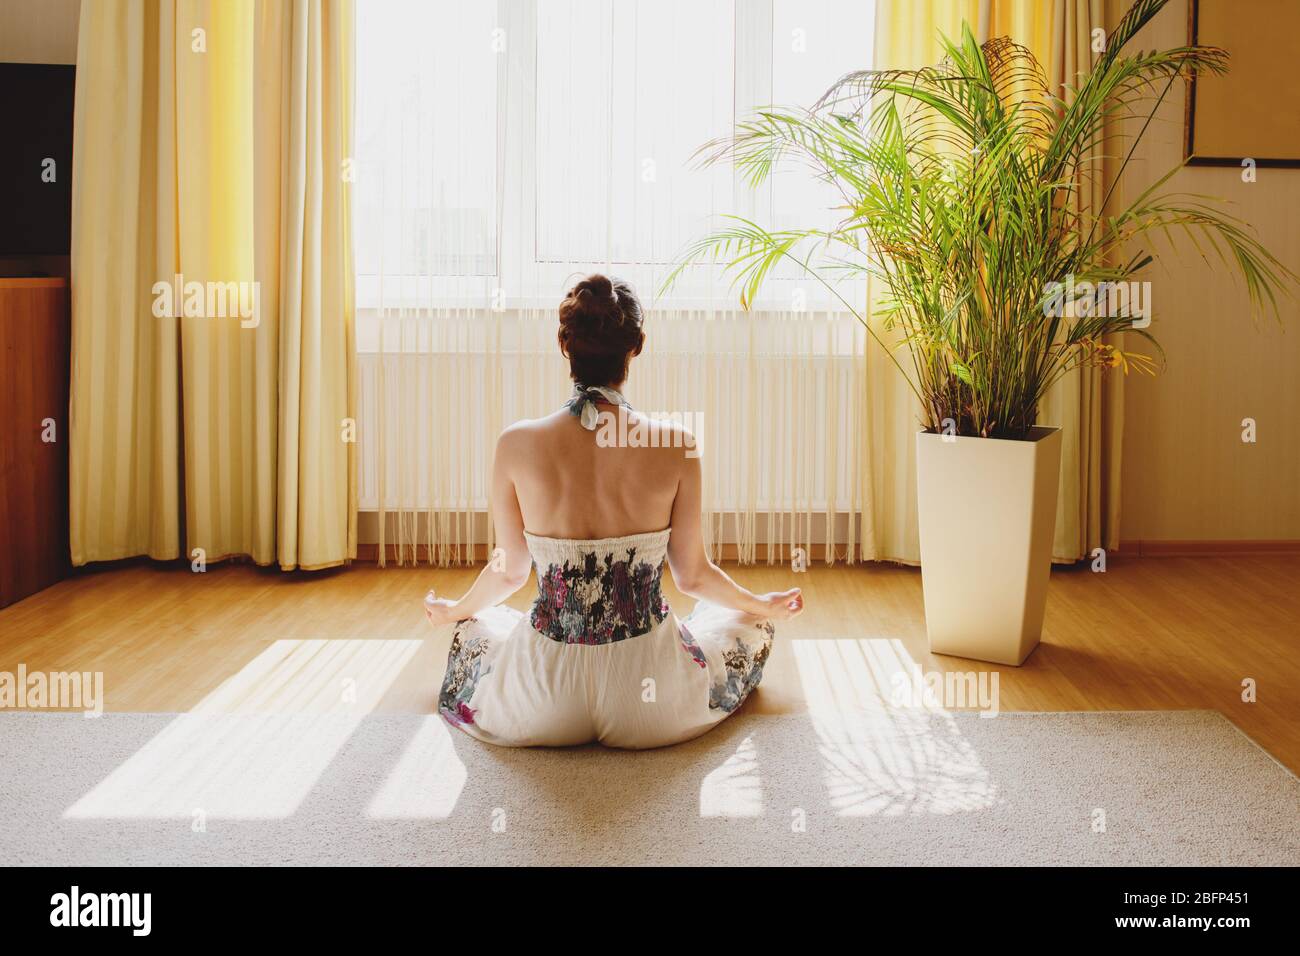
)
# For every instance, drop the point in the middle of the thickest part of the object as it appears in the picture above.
(967, 194)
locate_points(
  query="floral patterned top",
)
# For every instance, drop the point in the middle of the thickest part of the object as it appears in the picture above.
(598, 591)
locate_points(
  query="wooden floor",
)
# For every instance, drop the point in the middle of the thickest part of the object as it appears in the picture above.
(1148, 634)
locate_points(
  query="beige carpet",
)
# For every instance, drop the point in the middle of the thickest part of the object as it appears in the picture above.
(903, 787)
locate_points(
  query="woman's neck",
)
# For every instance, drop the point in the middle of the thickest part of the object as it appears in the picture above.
(601, 400)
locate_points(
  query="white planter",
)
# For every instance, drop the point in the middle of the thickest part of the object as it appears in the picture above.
(987, 513)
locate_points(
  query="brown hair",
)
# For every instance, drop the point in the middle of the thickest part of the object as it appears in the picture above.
(600, 330)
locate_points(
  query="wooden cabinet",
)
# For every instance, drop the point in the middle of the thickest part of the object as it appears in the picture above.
(35, 341)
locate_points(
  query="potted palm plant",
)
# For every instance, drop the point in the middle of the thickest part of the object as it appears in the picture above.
(963, 199)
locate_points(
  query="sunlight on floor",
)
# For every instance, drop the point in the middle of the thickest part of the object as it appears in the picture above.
(427, 780)
(865, 768)
(256, 746)
(734, 789)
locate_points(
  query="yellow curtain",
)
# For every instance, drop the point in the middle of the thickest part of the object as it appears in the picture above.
(213, 359)
(1087, 406)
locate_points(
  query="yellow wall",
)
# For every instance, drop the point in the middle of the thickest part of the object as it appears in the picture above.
(39, 31)
(1187, 474)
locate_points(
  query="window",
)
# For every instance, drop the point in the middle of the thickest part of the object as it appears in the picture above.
(625, 94)
(426, 197)
(503, 147)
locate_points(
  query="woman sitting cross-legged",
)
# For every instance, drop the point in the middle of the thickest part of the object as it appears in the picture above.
(605, 495)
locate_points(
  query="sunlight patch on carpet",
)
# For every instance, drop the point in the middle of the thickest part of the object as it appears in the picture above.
(255, 747)
(734, 789)
(878, 759)
(426, 781)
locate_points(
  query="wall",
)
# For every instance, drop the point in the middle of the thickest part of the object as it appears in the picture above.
(39, 31)
(1187, 475)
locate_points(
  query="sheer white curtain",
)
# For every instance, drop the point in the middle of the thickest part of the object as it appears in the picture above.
(504, 150)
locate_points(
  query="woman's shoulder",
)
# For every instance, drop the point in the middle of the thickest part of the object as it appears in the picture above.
(632, 429)
(527, 428)
(621, 428)
(674, 431)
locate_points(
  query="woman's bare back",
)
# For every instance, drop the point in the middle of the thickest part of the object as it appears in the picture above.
(618, 479)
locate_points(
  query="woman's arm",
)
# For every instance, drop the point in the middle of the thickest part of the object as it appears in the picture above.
(507, 571)
(693, 572)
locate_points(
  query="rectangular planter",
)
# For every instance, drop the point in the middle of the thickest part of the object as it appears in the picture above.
(987, 514)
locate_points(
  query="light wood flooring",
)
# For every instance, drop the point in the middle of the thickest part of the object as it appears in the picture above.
(1149, 633)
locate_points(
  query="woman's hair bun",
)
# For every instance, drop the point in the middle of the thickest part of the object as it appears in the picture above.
(600, 329)
(596, 287)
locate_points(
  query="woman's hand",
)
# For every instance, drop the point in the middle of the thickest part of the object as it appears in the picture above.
(782, 605)
(439, 611)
